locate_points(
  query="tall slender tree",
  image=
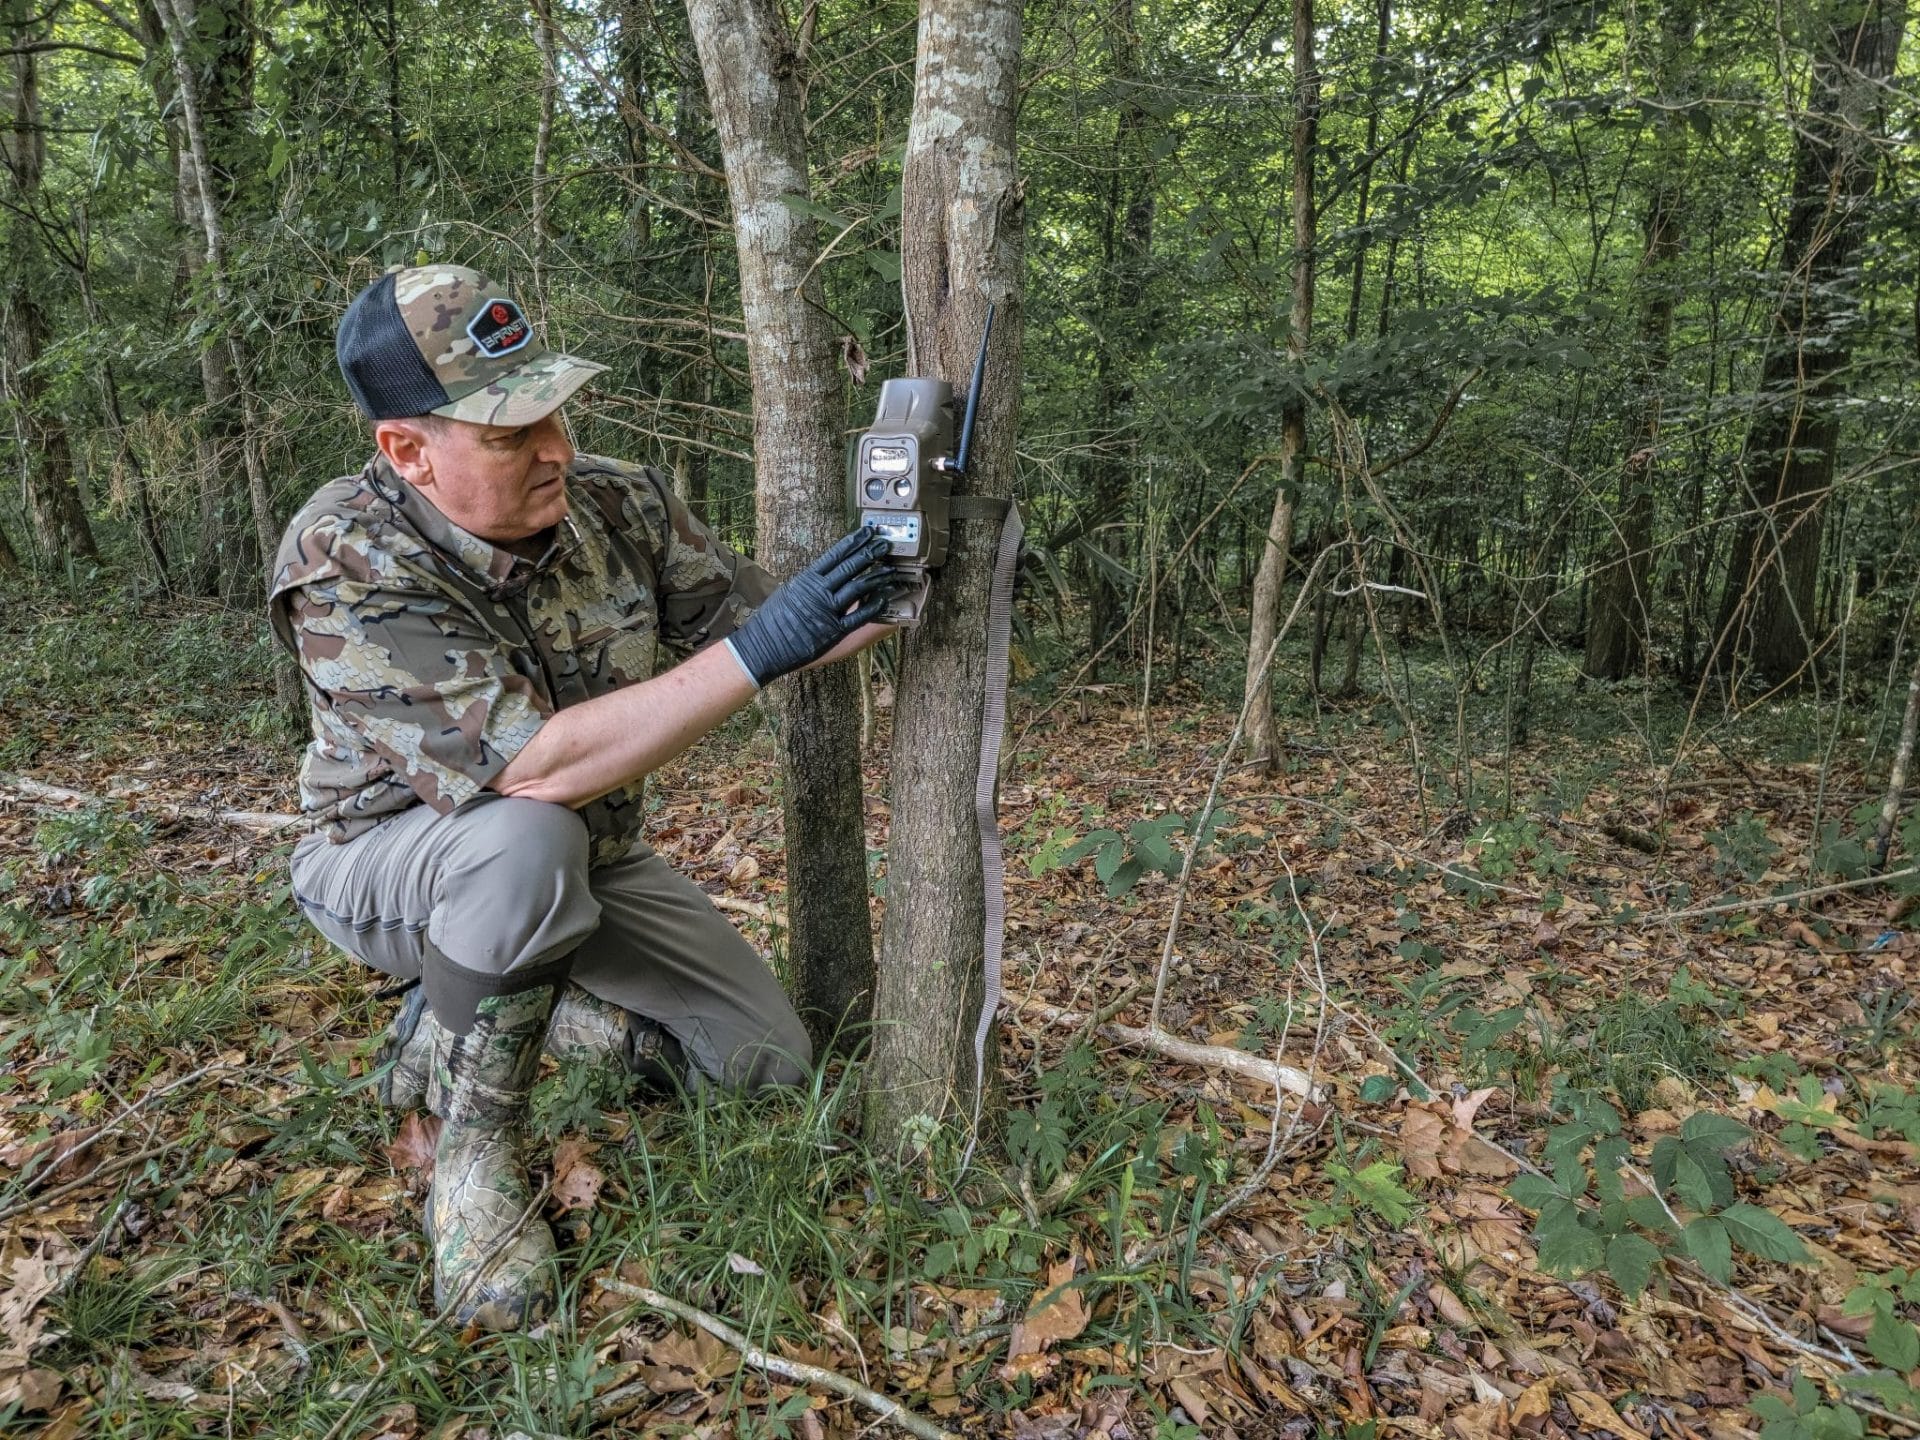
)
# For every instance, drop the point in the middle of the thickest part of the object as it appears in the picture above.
(963, 217)
(799, 404)
(1263, 739)
(1126, 244)
(1767, 617)
(1618, 629)
(54, 504)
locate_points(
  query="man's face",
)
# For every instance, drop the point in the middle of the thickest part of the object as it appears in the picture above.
(498, 483)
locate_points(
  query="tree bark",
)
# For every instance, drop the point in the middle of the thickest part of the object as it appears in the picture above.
(962, 233)
(1263, 740)
(1897, 780)
(1127, 252)
(178, 19)
(799, 405)
(543, 141)
(1767, 617)
(223, 93)
(1620, 630)
(54, 505)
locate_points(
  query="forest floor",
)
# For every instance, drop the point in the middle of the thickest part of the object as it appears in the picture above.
(1582, 1162)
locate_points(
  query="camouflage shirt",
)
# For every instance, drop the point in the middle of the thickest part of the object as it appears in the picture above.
(431, 656)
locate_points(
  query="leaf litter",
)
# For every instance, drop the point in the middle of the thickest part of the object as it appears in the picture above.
(1383, 1275)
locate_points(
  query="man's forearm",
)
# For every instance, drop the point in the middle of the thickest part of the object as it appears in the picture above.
(586, 750)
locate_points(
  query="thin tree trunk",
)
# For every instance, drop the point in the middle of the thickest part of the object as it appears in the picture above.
(9, 558)
(543, 139)
(754, 86)
(1897, 781)
(1127, 252)
(1767, 614)
(962, 230)
(54, 504)
(1263, 740)
(1620, 630)
(225, 46)
(178, 18)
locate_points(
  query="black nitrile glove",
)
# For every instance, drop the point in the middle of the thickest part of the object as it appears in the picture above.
(817, 609)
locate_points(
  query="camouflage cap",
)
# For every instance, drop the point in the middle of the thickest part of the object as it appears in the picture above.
(445, 340)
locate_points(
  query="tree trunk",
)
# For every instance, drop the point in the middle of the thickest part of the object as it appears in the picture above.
(690, 391)
(179, 20)
(962, 229)
(1620, 630)
(1767, 616)
(222, 45)
(1263, 740)
(754, 86)
(54, 504)
(9, 558)
(1897, 780)
(543, 143)
(1122, 332)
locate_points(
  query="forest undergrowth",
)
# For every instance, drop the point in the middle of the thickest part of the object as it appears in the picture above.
(1598, 1143)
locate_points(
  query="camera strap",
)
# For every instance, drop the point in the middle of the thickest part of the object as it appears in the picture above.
(986, 807)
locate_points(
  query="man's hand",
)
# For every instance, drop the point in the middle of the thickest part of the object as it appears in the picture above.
(817, 609)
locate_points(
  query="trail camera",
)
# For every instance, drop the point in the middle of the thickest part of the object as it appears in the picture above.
(902, 477)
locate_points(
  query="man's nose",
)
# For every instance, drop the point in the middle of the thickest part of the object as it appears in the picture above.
(552, 444)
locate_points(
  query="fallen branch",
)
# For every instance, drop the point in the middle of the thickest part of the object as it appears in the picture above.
(754, 908)
(1761, 902)
(45, 794)
(774, 1364)
(1187, 1052)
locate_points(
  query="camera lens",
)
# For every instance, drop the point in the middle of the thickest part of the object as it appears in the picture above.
(903, 487)
(875, 488)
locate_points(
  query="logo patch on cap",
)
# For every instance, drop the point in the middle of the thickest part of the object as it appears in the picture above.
(499, 329)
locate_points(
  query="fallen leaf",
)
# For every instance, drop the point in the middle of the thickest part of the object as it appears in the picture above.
(1061, 1315)
(413, 1146)
(1594, 1412)
(576, 1180)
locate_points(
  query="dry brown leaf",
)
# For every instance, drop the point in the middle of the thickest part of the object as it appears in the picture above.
(745, 870)
(576, 1180)
(1061, 1314)
(32, 1388)
(413, 1145)
(1595, 1413)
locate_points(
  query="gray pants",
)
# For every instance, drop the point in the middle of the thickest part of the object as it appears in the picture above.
(486, 899)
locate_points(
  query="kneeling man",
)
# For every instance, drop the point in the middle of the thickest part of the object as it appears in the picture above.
(476, 615)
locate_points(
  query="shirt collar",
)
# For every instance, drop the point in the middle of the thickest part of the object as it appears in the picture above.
(499, 569)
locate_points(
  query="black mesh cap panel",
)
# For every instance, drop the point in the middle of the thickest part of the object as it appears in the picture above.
(384, 369)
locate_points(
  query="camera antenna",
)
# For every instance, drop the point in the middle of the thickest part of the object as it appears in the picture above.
(973, 396)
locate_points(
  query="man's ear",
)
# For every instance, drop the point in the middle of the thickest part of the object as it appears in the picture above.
(405, 444)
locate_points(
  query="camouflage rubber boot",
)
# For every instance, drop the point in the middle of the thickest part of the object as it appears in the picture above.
(492, 1261)
(586, 1028)
(409, 1048)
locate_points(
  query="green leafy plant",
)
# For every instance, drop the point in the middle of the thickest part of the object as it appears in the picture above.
(1372, 1189)
(1120, 860)
(1742, 847)
(1587, 1221)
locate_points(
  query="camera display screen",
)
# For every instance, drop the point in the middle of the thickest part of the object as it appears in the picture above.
(902, 531)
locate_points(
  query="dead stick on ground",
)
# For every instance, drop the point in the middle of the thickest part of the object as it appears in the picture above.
(774, 1364)
(1279, 1146)
(39, 790)
(1760, 902)
(1187, 1052)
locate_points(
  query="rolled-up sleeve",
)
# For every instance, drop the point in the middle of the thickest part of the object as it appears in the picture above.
(417, 680)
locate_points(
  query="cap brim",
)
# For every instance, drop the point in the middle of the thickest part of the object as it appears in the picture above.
(525, 395)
